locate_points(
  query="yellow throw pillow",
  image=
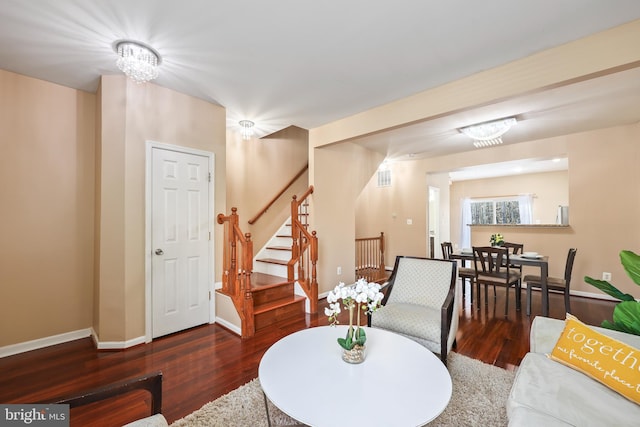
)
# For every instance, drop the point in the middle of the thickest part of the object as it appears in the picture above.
(607, 360)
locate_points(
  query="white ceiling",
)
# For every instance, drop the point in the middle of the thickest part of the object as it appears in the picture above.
(307, 63)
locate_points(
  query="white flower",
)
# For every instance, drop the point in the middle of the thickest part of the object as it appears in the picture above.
(364, 296)
(335, 308)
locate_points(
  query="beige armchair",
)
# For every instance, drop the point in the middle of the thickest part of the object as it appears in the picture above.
(421, 303)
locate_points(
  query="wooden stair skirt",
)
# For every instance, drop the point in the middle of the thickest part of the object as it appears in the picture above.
(274, 300)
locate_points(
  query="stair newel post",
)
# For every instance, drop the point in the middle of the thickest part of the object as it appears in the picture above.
(248, 253)
(225, 254)
(295, 237)
(381, 254)
(313, 303)
(246, 268)
(248, 324)
(233, 268)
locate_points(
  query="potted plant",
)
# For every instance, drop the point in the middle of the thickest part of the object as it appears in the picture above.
(496, 240)
(365, 298)
(626, 314)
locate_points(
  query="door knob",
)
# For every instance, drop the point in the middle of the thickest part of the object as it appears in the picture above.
(159, 252)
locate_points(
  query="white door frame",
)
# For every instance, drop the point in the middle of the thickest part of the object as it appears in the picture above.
(150, 145)
(433, 220)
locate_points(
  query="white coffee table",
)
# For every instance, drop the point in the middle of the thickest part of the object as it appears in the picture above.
(400, 383)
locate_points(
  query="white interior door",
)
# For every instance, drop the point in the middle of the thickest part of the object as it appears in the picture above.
(180, 234)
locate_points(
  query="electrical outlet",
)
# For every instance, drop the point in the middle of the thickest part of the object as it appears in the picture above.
(606, 276)
(339, 272)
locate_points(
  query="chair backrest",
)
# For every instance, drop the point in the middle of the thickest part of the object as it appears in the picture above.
(491, 261)
(515, 248)
(447, 250)
(571, 256)
(422, 281)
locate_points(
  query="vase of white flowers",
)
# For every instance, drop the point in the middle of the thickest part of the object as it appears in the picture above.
(362, 297)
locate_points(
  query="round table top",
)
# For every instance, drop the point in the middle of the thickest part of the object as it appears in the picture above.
(400, 382)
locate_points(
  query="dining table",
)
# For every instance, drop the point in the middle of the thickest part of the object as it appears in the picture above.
(540, 261)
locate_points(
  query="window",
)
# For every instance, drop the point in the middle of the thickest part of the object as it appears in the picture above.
(495, 211)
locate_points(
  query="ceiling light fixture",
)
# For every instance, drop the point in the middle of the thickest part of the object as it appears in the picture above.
(246, 128)
(137, 60)
(488, 133)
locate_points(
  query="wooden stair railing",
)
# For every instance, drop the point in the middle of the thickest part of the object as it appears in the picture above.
(237, 267)
(277, 196)
(304, 250)
(370, 258)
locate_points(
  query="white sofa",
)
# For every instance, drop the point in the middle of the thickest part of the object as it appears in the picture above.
(547, 393)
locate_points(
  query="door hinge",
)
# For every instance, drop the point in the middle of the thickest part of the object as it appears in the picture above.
(209, 176)
(209, 295)
(209, 235)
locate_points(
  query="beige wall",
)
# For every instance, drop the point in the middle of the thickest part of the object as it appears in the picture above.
(550, 189)
(600, 186)
(131, 115)
(74, 177)
(47, 187)
(341, 172)
(258, 170)
(388, 209)
(601, 53)
(603, 209)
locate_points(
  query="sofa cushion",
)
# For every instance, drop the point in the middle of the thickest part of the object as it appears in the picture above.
(524, 416)
(411, 320)
(157, 420)
(605, 359)
(545, 332)
(564, 394)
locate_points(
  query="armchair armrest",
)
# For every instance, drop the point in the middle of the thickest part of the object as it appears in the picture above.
(151, 382)
(446, 318)
(386, 290)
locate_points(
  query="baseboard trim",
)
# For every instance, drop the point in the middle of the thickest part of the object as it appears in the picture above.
(583, 294)
(233, 328)
(594, 296)
(118, 345)
(39, 343)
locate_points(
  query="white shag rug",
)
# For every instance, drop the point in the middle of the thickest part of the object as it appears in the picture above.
(479, 398)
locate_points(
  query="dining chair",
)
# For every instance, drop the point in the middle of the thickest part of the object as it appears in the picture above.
(553, 283)
(515, 249)
(492, 267)
(421, 303)
(465, 273)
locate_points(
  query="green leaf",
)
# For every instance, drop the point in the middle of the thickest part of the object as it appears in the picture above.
(350, 333)
(609, 289)
(631, 263)
(627, 315)
(361, 337)
(346, 343)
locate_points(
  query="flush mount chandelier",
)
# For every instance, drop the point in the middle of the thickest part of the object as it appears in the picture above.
(488, 133)
(137, 60)
(246, 129)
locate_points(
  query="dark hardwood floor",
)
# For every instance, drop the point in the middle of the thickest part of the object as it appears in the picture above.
(203, 363)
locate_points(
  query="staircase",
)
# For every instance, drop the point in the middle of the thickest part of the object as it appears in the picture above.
(283, 283)
(274, 297)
